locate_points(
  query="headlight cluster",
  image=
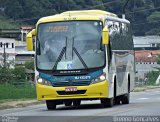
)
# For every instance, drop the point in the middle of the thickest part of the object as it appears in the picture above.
(99, 79)
(43, 82)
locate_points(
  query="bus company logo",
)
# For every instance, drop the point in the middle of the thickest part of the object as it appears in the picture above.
(82, 77)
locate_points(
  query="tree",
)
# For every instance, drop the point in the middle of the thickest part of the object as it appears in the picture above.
(137, 11)
(19, 74)
(29, 65)
(152, 77)
(5, 75)
(158, 59)
(14, 9)
(154, 16)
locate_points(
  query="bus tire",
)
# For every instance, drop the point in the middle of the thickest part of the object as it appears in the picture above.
(107, 102)
(116, 98)
(51, 104)
(117, 101)
(126, 97)
(68, 103)
(76, 102)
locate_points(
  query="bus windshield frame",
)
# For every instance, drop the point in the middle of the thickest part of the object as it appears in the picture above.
(69, 48)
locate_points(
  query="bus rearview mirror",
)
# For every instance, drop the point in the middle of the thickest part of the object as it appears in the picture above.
(105, 36)
(33, 32)
(29, 40)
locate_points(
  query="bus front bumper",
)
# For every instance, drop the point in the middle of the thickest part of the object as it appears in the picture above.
(93, 91)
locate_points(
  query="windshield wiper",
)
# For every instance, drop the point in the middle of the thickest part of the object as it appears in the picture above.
(79, 56)
(64, 51)
(60, 56)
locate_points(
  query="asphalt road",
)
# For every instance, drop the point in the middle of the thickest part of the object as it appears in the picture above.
(146, 103)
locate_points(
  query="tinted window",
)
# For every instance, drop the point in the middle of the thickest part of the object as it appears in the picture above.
(120, 35)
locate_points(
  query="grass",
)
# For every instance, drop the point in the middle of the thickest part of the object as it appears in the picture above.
(11, 92)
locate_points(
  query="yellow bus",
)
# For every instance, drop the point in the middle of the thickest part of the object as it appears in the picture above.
(83, 55)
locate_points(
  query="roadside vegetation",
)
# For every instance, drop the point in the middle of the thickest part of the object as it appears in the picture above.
(152, 77)
(17, 91)
(5, 23)
(14, 83)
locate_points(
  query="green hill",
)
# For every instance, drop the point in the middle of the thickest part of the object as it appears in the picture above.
(144, 15)
(6, 23)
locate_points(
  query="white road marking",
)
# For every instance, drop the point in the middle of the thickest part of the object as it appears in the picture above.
(157, 91)
(142, 98)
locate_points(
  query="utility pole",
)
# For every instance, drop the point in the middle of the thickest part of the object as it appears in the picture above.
(4, 53)
(68, 5)
(124, 9)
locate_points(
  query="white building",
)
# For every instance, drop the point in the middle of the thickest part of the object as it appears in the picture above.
(16, 52)
(9, 50)
(146, 41)
(146, 61)
(22, 55)
(147, 48)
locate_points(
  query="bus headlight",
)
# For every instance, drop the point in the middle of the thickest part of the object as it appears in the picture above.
(40, 80)
(102, 77)
(99, 79)
(43, 82)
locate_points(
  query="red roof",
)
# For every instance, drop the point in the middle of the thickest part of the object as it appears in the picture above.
(27, 27)
(147, 55)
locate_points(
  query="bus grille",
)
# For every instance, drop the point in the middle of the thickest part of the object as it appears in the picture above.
(70, 93)
(71, 83)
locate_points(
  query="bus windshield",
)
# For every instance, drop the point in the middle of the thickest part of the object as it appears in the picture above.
(70, 45)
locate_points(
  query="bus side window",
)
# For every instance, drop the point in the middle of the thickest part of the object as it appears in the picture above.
(109, 53)
(125, 37)
(115, 36)
(130, 37)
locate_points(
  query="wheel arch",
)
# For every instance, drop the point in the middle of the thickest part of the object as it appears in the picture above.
(115, 86)
(129, 81)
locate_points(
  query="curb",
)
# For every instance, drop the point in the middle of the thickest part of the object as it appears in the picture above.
(139, 89)
(19, 104)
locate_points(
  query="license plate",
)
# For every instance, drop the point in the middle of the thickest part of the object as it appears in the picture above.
(70, 89)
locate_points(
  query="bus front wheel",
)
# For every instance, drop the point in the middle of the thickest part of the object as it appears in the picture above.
(68, 102)
(76, 102)
(107, 102)
(51, 104)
